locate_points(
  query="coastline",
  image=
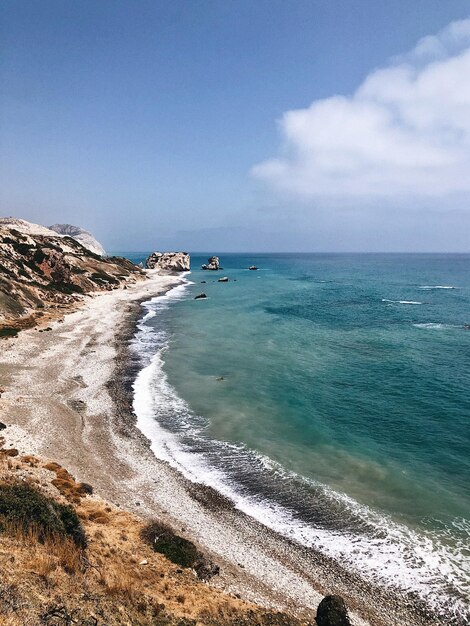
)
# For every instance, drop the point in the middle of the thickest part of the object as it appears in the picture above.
(78, 379)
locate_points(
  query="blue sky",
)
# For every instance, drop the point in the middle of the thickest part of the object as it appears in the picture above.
(239, 125)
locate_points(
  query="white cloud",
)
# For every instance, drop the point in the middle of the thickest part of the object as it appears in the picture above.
(405, 132)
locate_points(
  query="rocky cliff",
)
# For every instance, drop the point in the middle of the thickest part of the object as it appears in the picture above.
(169, 261)
(41, 271)
(80, 235)
(64, 230)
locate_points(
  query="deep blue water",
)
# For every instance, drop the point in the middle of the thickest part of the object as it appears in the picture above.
(342, 419)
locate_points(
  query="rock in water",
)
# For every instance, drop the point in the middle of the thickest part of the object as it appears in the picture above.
(200, 296)
(212, 264)
(82, 236)
(332, 611)
(223, 280)
(252, 267)
(169, 261)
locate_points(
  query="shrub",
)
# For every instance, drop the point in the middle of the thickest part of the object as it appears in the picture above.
(177, 549)
(25, 508)
(8, 331)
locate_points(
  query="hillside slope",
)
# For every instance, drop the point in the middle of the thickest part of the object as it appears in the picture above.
(80, 235)
(41, 274)
(111, 576)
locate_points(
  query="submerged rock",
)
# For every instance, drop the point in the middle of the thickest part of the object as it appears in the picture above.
(332, 611)
(169, 261)
(212, 264)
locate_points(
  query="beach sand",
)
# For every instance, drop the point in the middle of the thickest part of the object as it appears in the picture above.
(68, 398)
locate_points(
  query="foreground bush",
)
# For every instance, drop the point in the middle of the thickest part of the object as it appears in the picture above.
(177, 549)
(25, 508)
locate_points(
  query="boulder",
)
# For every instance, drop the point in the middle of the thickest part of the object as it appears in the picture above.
(169, 261)
(332, 611)
(212, 264)
(200, 296)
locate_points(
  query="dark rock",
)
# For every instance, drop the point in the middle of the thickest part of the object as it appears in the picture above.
(2, 426)
(205, 569)
(86, 488)
(11, 452)
(332, 611)
(252, 267)
(203, 282)
(212, 264)
(200, 296)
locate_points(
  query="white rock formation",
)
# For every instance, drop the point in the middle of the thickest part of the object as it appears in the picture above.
(169, 261)
(27, 228)
(212, 264)
(79, 234)
(63, 230)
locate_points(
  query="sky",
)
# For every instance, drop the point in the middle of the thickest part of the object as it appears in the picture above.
(239, 125)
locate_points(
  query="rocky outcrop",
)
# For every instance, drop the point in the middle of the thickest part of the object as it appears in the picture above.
(80, 235)
(42, 273)
(332, 612)
(169, 261)
(64, 230)
(28, 228)
(212, 264)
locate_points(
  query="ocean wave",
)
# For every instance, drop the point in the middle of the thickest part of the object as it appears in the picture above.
(401, 301)
(436, 326)
(310, 513)
(437, 287)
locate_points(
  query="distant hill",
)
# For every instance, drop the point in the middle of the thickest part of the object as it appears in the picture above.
(64, 230)
(81, 235)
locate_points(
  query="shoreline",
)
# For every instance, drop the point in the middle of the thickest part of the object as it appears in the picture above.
(79, 380)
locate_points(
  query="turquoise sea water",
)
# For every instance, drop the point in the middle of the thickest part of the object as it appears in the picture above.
(343, 416)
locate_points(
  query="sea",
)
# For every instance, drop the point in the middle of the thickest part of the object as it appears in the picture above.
(328, 395)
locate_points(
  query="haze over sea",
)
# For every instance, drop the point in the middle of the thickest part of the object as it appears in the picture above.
(327, 394)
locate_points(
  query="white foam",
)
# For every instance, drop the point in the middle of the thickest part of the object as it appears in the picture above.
(401, 301)
(436, 326)
(437, 287)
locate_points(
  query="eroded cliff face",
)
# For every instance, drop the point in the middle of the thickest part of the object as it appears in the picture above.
(40, 273)
(169, 261)
(80, 235)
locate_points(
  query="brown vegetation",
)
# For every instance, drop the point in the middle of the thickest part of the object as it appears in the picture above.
(48, 577)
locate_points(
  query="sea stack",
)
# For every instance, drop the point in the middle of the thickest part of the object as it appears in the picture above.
(169, 261)
(212, 264)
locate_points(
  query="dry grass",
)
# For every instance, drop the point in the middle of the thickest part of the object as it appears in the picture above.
(117, 580)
